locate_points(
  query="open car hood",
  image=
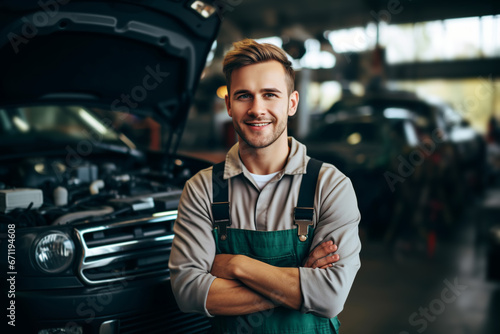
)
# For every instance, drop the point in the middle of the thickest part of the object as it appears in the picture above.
(143, 57)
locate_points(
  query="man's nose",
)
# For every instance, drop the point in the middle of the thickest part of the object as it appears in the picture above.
(257, 107)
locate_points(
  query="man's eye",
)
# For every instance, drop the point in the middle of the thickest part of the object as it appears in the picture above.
(270, 95)
(243, 96)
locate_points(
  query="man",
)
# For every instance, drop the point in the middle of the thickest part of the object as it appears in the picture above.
(242, 238)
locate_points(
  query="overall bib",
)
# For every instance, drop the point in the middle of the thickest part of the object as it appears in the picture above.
(286, 248)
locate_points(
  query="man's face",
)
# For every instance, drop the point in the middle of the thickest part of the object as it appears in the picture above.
(259, 103)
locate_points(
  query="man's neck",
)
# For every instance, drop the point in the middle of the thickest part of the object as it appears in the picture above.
(267, 160)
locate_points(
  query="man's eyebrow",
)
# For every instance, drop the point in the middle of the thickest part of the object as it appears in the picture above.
(270, 90)
(241, 91)
(266, 90)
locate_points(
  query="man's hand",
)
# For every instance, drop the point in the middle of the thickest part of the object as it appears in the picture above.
(320, 256)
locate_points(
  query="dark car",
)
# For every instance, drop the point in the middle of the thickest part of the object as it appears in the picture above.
(440, 125)
(470, 148)
(396, 148)
(87, 205)
(366, 146)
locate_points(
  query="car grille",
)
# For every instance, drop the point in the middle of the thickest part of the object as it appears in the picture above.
(170, 321)
(126, 249)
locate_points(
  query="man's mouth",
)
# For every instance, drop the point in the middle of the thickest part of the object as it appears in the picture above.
(258, 124)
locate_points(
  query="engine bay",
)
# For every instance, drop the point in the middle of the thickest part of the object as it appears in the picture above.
(49, 191)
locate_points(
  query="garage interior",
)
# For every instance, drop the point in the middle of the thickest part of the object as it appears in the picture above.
(403, 96)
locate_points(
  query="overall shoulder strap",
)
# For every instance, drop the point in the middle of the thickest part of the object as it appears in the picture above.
(304, 212)
(219, 185)
(220, 205)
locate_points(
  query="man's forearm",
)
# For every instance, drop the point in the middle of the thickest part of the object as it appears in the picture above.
(279, 285)
(231, 297)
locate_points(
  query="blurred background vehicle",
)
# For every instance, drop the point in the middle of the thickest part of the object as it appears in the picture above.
(364, 143)
(493, 150)
(409, 159)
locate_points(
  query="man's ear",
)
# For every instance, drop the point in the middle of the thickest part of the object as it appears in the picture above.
(228, 105)
(293, 103)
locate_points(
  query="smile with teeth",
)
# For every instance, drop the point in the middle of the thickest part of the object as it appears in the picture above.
(259, 124)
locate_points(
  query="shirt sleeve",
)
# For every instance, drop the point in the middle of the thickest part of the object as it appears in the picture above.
(325, 291)
(193, 248)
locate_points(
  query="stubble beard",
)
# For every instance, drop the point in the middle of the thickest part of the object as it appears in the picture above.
(264, 141)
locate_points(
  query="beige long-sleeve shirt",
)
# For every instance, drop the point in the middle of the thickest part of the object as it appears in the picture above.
(336, 218)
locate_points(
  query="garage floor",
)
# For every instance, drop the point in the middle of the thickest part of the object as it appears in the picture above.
(404, 292)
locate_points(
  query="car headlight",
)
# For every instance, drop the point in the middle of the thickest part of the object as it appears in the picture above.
(54, 252)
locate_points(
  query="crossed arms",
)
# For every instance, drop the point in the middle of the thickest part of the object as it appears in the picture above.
(245, 285)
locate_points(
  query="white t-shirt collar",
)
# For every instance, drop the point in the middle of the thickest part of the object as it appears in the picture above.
(262, 180)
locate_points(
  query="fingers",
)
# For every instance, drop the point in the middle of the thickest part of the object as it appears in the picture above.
(319, 256)
(326, 261)
(320, 251)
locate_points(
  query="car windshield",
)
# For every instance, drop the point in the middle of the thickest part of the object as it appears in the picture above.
(61, 124)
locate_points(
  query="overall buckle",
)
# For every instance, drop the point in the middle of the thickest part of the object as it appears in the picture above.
(303, 218)
(222, 219)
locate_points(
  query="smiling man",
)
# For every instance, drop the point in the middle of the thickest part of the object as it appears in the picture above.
(255, 235)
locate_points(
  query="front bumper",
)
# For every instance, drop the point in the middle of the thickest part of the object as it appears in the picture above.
(145, 306)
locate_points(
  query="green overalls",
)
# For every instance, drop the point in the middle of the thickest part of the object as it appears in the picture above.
(286, 248)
